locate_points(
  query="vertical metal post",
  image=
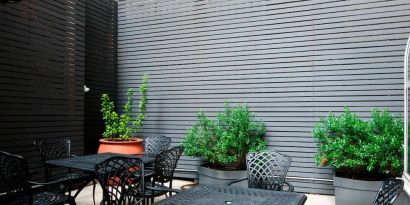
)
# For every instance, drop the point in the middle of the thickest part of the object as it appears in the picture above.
(406, 64)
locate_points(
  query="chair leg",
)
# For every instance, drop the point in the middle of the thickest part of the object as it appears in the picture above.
(170, 186)
(166, 193)
(81, 188)
(147, 200)
(152, 192)
(94, 186)
(69, 189)
(72, 202)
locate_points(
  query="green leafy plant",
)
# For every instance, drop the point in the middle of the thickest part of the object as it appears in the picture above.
(120, 127)
(224, 142)
(361, 149)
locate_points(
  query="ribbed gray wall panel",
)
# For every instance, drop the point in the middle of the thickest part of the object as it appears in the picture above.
(41, 75)
(291, 61)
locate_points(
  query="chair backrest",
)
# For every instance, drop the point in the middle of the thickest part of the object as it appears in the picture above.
(122, 180)
(388, 192)
(267, 169)
(15, 177)
(53, 148)
(155, 145)
(165, 164)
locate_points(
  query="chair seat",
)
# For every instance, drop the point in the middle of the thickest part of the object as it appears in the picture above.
(43, 198)
(69, 182)
(51, 198)
(148, 192)
(72, 177)
(149, 173)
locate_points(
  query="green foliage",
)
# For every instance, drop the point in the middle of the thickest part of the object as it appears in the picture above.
(121, 126)
(138, 122)
(224, 142)
(355, 146)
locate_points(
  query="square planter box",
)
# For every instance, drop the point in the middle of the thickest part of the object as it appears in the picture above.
(355, 192)
(218, 177)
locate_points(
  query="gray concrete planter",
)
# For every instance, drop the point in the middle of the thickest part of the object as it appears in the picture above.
(355, 192)
(218, 177)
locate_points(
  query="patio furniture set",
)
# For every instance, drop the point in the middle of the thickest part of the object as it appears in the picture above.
(131, 179)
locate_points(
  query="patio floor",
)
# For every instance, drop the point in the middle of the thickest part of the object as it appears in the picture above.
(85, 197)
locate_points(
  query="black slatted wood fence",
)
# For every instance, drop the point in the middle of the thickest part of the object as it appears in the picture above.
(46, 50)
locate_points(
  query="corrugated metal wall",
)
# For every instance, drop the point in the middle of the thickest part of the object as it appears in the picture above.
(291, 61)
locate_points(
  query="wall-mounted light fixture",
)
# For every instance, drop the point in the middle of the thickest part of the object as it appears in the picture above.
(86, 89)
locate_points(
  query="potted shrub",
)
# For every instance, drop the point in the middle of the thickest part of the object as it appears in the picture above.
(118, 127)
(362, 153)
(224, 143)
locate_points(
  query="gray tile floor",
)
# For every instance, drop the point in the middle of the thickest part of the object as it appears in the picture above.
(85, 197)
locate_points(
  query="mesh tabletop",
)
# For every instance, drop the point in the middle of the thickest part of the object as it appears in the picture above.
(88, 162)
(206, 194)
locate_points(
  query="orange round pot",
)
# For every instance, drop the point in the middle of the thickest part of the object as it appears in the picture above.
(133, 146)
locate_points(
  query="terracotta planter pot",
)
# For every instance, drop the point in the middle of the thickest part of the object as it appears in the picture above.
(134, 146)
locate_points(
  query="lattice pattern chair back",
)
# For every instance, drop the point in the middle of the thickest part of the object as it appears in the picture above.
(267, 169)
(155, 145)
(165, 164)
(389, 192)
(15, 176)
(53, 148)
(122, 180)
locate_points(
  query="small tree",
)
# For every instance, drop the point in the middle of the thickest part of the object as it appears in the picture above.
(361, 149)
(224, 142)
(120, 127)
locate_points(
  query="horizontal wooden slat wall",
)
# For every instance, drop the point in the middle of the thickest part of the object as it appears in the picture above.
(100, 65)
(291, 61)
(41, 74)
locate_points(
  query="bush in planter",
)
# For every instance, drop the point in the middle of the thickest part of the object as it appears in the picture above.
(224, 142)
(119, 127)
(360, 149)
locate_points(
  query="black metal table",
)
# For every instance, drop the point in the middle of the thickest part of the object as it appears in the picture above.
(205, 194)
(88, 162)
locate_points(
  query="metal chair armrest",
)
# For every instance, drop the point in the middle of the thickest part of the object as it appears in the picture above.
(235, 181)
(162, 189)
(32, 173)
(39, 162)
(149, 173)
(290, 186)
(63, 181)
(42, 186)
(34, 183)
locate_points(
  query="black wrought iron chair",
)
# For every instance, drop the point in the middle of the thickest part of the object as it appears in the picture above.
(155, 145)
(122, 180)
(152, 147)
(15, 176)
(267, 170)
(389, 192)
(60, 148)
(165, 164)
